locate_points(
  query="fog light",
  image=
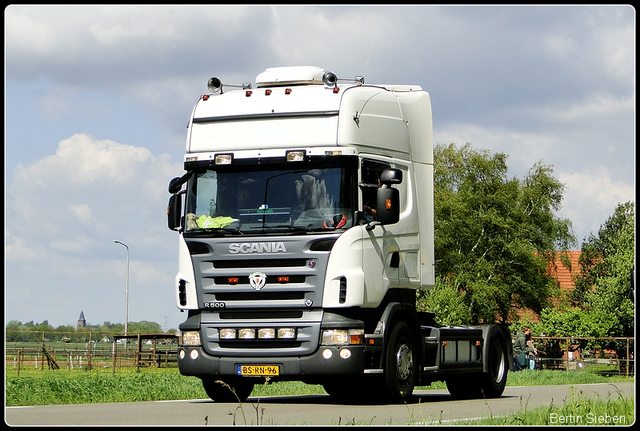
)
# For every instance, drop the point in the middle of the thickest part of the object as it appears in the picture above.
(287, 333)
(247, 333)
(227, 334)
(193, 354)
(327, 353)
(266, 333)
(345, 353)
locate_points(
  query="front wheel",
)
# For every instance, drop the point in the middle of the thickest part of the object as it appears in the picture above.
(400, 363)
(227, 391)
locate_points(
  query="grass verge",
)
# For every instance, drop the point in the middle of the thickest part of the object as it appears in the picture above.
(38, 387)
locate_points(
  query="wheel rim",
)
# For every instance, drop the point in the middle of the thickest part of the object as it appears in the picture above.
(499, 363)
(404, 360)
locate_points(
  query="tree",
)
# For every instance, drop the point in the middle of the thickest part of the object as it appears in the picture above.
(495, 236)
(604, 286)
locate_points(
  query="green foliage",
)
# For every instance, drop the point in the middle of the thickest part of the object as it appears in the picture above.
(447, 302)
(604, 286)
(494, 236)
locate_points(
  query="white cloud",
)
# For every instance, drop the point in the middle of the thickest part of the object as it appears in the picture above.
(82, 212)
(64, 211)
(592, 192)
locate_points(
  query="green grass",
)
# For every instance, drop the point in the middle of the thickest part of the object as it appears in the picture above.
(42, 387)
(575, 410)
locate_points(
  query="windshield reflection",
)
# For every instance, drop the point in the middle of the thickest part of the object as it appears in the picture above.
(276, 200)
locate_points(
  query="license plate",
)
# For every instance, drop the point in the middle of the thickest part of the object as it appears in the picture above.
(258, 370)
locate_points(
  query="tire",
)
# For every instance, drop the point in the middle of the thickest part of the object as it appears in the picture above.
(228, 391)
(401, 374)
(465, 387)
(495, 379)
(355, 390)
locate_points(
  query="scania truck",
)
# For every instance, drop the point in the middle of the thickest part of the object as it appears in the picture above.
(305, 221)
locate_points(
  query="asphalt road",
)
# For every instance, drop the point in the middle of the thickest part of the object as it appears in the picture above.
(429, 406)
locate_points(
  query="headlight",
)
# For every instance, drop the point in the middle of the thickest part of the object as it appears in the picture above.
(190, 338)
(342, 336)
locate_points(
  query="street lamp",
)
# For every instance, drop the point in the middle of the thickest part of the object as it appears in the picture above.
(126, 293)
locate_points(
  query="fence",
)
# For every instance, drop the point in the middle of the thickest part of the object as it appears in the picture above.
(606, 355)
(98, 351)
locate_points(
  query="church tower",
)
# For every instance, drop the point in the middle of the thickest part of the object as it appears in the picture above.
(82, 322)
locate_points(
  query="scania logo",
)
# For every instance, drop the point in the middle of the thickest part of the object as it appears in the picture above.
(257, 247)
(257, 280)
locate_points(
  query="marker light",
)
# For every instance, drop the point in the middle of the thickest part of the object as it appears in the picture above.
(388, 204)
(223, 159)
(296, 155)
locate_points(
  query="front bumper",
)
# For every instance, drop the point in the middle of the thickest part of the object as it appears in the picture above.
(195, 362)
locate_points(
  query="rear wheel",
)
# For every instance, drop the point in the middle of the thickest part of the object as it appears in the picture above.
(465, 386)
(495, 379)
(227, 390)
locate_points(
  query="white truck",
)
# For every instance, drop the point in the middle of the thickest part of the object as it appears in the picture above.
(305, 222)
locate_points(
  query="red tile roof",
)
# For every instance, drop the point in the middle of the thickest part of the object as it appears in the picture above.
(564, 274)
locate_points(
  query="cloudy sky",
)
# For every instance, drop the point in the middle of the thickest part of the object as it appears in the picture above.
(97, 100)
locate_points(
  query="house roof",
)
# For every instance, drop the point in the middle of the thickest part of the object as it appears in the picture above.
(564, 274)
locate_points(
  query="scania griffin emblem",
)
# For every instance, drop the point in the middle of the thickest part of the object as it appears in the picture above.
(257, 280)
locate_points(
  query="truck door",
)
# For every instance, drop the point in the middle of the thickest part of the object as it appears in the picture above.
(380, 251)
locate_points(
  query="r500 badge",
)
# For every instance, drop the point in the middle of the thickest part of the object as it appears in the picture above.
(214, 305)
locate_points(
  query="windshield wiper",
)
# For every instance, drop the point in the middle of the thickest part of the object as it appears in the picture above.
(284, 226)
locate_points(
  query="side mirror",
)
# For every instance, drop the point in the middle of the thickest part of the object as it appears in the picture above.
(174, 212)
(176, 184)
(388, 198)
(388, 205)
(391, 176)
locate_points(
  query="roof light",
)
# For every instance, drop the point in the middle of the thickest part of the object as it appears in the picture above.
(248, 93)
(223, 159)
(267, 92)
(333, 153)
(287, 91)
(296, 155)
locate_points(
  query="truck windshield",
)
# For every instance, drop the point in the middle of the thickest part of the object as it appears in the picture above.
(259, 199)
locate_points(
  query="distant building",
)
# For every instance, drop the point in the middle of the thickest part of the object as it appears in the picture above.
(563, 275)
(82, 322)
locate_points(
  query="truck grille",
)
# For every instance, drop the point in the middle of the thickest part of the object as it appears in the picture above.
(290, 298)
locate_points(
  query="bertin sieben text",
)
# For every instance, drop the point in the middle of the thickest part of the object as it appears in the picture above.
(588, 419)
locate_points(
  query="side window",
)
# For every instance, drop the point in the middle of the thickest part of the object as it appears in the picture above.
(370, 173)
